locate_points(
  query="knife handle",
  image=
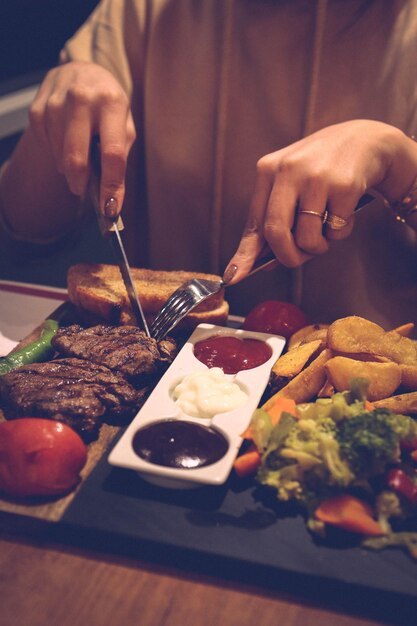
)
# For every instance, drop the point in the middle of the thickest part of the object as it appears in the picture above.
(106, 224)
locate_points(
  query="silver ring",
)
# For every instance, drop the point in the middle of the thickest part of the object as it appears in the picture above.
(335, 222)
(401, 215)
(322, 216)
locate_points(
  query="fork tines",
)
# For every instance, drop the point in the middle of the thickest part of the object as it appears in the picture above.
(181, 302)
(170, 315)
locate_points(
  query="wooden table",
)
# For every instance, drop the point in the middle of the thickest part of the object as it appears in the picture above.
(50, 584)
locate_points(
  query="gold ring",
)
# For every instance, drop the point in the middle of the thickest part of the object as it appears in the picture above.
(403, 213)
(322, 216)
(335, 222)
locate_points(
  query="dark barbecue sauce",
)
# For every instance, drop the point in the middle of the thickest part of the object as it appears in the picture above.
(179, 444)
(231, 353)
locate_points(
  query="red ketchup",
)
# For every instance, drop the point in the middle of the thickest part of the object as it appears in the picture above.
(231, 353)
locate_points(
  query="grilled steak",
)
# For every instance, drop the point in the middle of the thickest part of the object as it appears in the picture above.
(75, 391)
(126, 349)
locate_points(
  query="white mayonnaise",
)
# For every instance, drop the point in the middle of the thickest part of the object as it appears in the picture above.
(208, 392)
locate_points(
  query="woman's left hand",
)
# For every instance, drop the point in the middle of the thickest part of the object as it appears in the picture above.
(324, 174)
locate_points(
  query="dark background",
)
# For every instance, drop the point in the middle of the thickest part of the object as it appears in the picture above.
(32, 33)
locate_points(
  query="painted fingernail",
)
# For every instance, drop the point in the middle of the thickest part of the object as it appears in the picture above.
(110, 207)
(229, 273)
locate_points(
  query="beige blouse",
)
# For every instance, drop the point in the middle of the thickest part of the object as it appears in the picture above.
(216, 84)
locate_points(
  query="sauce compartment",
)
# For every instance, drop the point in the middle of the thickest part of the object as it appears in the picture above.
(208, 392)
(180, 444)
(161, 412)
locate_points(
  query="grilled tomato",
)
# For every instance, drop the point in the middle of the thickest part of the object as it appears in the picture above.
(275, 317)
(39, 457)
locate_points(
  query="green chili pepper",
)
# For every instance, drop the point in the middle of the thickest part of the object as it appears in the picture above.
(39, 350)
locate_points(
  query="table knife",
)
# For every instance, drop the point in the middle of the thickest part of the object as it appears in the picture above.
(110, 230)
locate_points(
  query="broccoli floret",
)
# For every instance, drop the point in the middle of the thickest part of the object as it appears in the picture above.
(286, 479)
(387, 505)
(340, 406)
(358, 390)
(401, 540)
(368, 442)
(404, 425)
(302, 448)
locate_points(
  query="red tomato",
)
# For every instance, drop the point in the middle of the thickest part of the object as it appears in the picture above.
(39, 457)
(275, 317)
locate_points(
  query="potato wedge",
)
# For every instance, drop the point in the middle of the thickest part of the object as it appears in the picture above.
(362, 356)
(306, 384)
(357, 335)
(409, 377)
(327, 390)
(307, 334)
(405, 329)
(292, 362)
(384, 378)
(405, 403)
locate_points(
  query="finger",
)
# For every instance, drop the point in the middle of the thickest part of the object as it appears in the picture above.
(114, 145)
(76, 147)
(130, 132)
(55, 127)
(341, 208)
(280, 219)
(252, 240)
(308, 230)
(46, 117)
(38, 107)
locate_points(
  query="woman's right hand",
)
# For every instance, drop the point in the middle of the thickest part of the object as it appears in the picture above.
(76, 101)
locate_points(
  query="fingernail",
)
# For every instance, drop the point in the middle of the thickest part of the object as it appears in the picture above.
(110, 207)
(229, 273)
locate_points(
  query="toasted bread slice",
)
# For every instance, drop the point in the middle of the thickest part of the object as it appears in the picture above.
(98, 290)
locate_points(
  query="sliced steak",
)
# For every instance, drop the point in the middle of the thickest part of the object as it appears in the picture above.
(126, 349)
(75, 391)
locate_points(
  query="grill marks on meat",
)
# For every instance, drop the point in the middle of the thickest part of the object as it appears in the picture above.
(126, 349)
(76, 391)
(105, 375)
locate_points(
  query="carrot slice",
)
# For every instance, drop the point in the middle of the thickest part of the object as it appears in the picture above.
(350, 513)
(247, 463)
(247, 433)
(282, 405)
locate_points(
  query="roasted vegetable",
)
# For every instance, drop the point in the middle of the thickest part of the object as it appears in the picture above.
(349, 513)
(402, 484)
(340, 458)
(38, 350)
(275, 317)
(368, 442)
(39, 457)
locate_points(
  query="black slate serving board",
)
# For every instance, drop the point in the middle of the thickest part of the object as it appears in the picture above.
(238, 531)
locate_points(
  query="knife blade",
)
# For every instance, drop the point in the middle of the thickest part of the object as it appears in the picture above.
(110, 230)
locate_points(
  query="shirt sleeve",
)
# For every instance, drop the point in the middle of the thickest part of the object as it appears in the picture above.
(113, 37)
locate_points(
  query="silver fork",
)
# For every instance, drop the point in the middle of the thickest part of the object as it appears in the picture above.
(188, 296)
(193, 292)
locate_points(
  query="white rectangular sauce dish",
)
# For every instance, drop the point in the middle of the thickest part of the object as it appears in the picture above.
(161, 407)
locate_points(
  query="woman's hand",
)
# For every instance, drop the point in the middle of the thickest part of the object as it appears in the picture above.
(75, 102)
(328, 171)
